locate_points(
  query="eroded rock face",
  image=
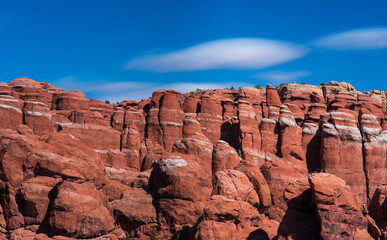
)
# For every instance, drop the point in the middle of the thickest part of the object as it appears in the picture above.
(225, 218)
(135, 211)
(301, 220)
(378, 211)
(221, 215)
(342, 151)
(224, 157)
(339, 210)
(171, 118)
(322, 206)
(375, 152)
(278, 173)
(253, 172)
(234, 184)
(182, 188)
(293, 162)
(11, 115)
(79, 211)
(210, 117)
(37, 116)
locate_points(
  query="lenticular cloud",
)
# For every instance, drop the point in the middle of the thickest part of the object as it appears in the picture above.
(367, 38)
(240, 53)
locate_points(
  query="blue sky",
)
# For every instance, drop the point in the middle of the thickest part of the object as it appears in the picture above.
(124, 49)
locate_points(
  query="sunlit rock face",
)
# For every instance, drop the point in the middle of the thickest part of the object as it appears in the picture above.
(293, 162)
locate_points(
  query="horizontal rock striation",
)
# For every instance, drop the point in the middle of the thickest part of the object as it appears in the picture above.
(293, 162)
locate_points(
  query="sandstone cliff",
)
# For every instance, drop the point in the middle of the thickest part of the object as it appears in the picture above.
(293, 162)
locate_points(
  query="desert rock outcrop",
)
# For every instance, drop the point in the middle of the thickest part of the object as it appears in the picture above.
(293, 162)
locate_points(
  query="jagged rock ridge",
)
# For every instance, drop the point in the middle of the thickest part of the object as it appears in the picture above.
(293, 162)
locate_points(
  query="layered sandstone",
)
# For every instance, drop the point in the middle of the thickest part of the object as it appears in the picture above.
(293, 162)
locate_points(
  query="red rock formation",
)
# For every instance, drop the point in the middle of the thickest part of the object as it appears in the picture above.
(175, 179)
(95, 136)
(341, 150)
(136, 116)
(255, 176)
(375, 152)
(154, 130)
(135, 210)
(272, 98)
(235, 185)
(249, 131)
(225, 218)
(118, 117)
(210, 118)
(224, 157)
(195, 144)
(79, 211)
(210, 164)
(378, 211)
(278, 173)
(37, 116)
(11, 115)
(301, 220)
(171, 118)
(323, 207)
(339, 210)
(290, 137)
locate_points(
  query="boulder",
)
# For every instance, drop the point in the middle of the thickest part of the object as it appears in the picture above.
(378, 212)
(182, 188)
(35, 195)
(199, 147)
(224, 157)
(338, 208)
(301, 220)
(225, 218)
(79, 211)
(135, 211)
(279, 172)
(234, 184)
(255, 176)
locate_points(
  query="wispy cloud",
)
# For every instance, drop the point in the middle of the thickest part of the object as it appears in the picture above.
(281, 76)
(119, 91)
(118, 86)
(239, 53)
(144, 90)
(365, 38)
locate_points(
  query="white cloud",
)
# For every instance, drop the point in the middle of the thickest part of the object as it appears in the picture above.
(118, 86)
(238, 53)
(145, 90)
(367, 38)
(119, 91)
(281, 76)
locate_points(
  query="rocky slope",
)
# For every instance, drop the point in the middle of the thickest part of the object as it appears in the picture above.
(293, 162)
